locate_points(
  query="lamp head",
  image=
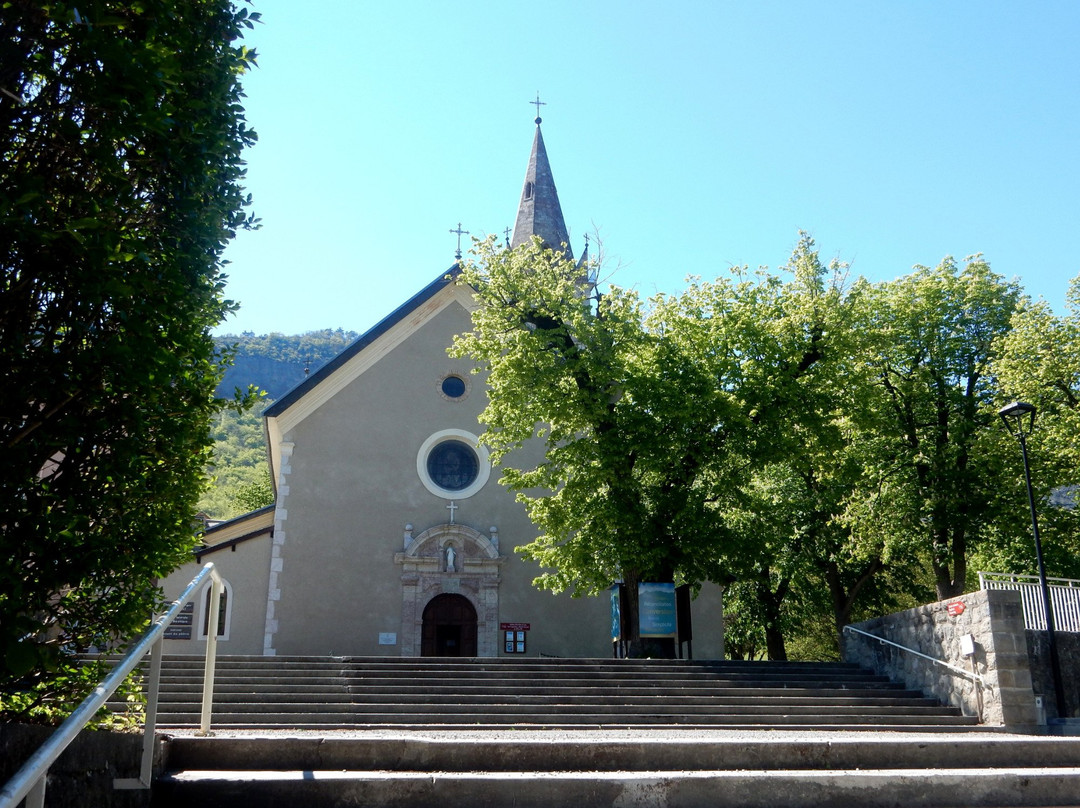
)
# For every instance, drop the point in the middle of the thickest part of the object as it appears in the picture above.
(1018, 417)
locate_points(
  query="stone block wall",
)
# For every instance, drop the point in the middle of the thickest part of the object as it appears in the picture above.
(1068, 645)
(995, 620)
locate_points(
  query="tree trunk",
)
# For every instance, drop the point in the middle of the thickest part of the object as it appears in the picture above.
(774, 644)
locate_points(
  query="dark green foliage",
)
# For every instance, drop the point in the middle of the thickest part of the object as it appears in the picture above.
(121, 132)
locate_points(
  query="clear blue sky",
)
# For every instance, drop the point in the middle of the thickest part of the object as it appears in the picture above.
(693, 136)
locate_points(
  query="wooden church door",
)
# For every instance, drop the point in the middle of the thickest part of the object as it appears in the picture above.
(449, 627)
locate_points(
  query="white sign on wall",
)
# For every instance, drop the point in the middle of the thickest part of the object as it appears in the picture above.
(387, 638)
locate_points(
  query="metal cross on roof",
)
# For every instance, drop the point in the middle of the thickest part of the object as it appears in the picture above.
(460, 233)
(538, 103)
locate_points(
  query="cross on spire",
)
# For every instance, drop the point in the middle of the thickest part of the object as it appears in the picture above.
(508, 231)
(460, 233)
(538, 103)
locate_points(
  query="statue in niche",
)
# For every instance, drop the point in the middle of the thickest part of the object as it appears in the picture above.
(451, 558)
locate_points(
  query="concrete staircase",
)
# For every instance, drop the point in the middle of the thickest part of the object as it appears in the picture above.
(394, 692)
(588, 733)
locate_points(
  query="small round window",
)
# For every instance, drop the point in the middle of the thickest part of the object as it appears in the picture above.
(453, 465)
(453, 387)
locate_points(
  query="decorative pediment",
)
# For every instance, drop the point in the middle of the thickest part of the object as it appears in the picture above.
(450, 548)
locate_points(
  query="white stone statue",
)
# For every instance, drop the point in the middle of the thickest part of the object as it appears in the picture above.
(451, 558)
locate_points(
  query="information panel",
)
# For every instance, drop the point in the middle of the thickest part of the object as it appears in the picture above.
(656, 610)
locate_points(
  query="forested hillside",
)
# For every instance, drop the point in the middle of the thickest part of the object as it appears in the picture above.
(274, 363)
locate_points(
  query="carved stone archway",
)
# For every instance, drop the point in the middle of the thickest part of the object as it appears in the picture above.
(450, 559)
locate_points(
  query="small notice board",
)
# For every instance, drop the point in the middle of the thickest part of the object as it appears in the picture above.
(180, 628)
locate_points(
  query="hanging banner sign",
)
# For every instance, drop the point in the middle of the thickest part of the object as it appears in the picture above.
(956, 608)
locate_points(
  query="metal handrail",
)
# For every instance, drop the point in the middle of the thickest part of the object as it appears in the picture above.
(29, 780)
(954, 668)
(1021, 578)
(1063, 593)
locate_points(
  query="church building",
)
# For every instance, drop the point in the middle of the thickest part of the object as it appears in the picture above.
(390, 534)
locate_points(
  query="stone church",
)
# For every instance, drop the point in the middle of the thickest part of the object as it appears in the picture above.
(389, 534)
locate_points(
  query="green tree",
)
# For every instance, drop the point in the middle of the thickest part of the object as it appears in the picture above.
(792, 561)
(121, 131)
(240, 469)
(1039, 362)
(651, 416)
(928, 483)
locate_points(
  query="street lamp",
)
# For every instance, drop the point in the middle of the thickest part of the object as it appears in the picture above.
(1019, 419)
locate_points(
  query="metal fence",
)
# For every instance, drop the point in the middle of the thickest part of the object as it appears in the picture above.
(1064, 598)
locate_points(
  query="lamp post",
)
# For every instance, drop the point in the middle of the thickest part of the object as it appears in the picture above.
(1019, 419)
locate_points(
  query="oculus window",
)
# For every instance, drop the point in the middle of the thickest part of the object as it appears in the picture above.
(453, 387)
(452, 464)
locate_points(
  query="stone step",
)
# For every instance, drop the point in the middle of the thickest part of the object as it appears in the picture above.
(186, 688)
(508, 662)
(610, 751)
(323, 719)
(654, 707)
(173, 702)
(643, 769)
(872, 788)
(548, 672)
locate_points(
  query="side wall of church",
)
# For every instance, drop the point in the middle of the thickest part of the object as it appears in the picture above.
(246, 570)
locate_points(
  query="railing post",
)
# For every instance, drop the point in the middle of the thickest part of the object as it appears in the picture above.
(35, 798)
(153, 695)
(211, 653)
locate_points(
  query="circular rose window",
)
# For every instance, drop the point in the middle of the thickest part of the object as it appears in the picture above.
(452, 464)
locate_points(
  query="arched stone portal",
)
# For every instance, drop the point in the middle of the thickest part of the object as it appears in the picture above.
(449, 627)
(449, 560)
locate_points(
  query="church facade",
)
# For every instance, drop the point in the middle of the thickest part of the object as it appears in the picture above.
(389, 534)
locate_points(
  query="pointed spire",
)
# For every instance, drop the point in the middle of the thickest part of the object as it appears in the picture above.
(539, 212)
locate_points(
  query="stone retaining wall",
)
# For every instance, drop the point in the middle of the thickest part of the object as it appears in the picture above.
(995, 620)
(83, 775)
